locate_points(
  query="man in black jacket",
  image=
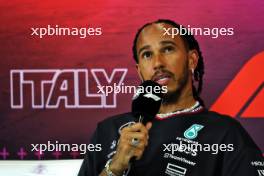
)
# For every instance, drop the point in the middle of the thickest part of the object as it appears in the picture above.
(184, 139)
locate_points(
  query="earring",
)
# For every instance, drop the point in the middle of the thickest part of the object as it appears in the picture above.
(192, 71)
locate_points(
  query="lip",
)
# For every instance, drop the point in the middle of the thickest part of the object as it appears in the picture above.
(162, 79)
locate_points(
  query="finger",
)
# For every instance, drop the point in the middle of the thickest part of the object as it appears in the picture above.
(149, 125)
(136, 127)
(139, 145)
(142, 141)
(132, 142)
(138, 153)
(137, 135)
(126, 150)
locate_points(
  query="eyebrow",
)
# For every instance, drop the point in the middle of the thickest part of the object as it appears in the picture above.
(168, 42)
(143, 48)
(162, 43)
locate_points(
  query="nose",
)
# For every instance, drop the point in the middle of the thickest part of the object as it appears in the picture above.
(158, 62)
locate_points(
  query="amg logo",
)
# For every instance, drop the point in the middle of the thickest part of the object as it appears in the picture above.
(71, 88)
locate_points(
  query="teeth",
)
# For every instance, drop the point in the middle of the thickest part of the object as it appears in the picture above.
(161, 79)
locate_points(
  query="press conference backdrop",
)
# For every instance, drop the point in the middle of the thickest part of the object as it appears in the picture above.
(49, 83)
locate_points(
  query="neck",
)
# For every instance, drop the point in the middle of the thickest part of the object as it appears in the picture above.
(185, 100)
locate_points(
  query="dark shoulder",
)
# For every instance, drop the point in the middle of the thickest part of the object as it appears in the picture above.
(225, 121)
(219, 124)
(231, 129)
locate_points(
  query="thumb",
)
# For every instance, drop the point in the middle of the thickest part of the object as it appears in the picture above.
(149, 125)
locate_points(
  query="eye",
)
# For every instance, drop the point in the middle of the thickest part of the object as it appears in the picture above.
(168, 49)
(146, 55)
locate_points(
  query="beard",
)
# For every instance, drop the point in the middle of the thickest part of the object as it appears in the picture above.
(173, 96)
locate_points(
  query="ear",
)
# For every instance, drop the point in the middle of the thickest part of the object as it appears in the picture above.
(193, 57)
(139, 72)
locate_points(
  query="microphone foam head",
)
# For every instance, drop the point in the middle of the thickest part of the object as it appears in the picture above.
(147, 100)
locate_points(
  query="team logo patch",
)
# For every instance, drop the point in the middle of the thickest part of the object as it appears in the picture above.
(192, 132)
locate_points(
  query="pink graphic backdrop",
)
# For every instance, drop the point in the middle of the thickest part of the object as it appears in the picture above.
(119, 20)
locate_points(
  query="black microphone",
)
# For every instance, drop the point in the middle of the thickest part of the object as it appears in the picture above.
(147, 101)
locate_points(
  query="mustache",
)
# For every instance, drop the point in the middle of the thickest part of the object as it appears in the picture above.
(162, 71)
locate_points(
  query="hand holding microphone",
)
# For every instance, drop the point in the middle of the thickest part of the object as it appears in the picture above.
(134, 139)
(128, 149)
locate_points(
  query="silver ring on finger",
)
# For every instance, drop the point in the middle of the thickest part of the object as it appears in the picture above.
(135, 142)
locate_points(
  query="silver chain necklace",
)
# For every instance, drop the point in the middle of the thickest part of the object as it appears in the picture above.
(193, 108)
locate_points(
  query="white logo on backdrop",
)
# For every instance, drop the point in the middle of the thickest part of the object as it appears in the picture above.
(49, 87)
